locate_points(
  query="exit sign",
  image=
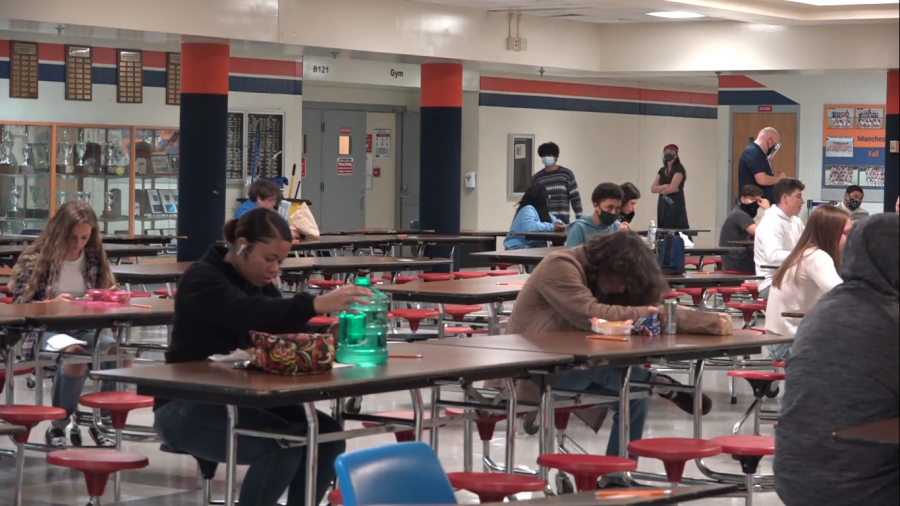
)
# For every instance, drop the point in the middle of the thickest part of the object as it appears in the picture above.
(765, 108)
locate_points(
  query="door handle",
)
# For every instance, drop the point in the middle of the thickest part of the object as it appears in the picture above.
(404, 191)
(362, 200)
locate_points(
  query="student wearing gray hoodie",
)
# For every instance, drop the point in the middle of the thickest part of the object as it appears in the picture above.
(843, 373)
(607, 199)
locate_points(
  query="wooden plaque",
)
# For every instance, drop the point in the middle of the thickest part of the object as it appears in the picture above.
(23, 75)
(173, 78)
(130, 66)
(79, 77)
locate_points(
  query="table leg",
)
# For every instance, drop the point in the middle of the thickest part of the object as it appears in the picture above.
(624, 412)
(230, 455)
(435, 399)
(545, 433)
(312, 452)
(493, 319)
(169, 289)
(418, 416)
(38, 375)
(10, 375)
(698, 398)
(511, 426)
(467, 439)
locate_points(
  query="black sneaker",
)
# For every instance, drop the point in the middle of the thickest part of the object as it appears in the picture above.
(685, 400)
(56, 438)
(101, 439)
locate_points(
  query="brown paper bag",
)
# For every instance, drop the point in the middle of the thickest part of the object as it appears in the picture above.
(703, 322)
(303, 225)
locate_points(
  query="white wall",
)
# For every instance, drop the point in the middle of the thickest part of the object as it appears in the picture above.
(341, 94)
(599, 148)
(471, 142)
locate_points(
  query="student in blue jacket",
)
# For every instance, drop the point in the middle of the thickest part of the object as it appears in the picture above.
(532, 215)
(607, 199)
(262, 193)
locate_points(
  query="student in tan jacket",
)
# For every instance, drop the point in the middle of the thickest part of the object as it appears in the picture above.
(614, 277)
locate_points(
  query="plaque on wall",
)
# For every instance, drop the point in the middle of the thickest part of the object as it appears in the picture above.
(264, 140)
(130, 82)
(23, 75)
(173, 163)
(78, 73)
(160, 164)
(234, 155)
(173, 78)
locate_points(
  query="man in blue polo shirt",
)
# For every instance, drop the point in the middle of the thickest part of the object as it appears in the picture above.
(755, 167)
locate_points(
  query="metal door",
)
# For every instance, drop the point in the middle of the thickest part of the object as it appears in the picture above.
(408, 187)
(312, 149)
(343, 170)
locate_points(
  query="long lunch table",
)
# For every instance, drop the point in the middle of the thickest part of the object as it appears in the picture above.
(677, 495)
(534, 256)
(146, 239)
(202, 381)
(637, 351)
(386, 241)
(9, 254)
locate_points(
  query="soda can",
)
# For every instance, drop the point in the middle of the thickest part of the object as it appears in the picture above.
(669, 317)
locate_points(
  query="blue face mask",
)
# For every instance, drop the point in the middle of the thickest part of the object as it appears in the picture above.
(548, 161)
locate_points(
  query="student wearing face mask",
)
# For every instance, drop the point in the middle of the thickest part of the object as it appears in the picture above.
(740, 226)
(671, 211)
(630, 197)
(852, 203)
(559, 182)
(607, 199)
(755, 166)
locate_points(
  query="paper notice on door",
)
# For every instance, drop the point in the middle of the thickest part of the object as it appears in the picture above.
(369, 165)
(382, 143)
(369, 182)
(345, 166)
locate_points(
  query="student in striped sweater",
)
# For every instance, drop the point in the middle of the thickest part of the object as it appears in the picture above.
(559, 182)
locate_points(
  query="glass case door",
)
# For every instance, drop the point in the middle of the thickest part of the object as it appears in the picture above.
(24, 177)
(156, 181)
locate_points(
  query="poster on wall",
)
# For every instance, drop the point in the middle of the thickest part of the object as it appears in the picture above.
(853, 147)
(382, 143)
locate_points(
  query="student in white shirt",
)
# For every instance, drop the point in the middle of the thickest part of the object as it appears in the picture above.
(779, 231)
(809, 273)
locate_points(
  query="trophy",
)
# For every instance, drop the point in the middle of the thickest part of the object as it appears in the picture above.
(14, 202)
(109, 198)
(6, 144)
(26, 152)
(62, 197)
(63, 149)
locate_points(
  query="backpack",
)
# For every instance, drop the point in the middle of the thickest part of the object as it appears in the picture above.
(671, 254)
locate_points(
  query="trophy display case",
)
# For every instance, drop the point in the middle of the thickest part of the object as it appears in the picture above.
(128, 174)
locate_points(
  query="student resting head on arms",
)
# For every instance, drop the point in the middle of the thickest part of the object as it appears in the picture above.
(222, 298)
(843, 373)
(809, 272)
(66, 261)
(532, 215)
(630, 197)
(262, 193)
(607, 199)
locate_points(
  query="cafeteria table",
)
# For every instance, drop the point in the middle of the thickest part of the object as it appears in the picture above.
(202, 381)
(639, 496)
(886, 432)
(534, 256)
(746, 243)
(375, 231)
(9, 254)
(793, 314)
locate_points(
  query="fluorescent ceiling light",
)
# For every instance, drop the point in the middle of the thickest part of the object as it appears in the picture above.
(839, 3)
(676, 15)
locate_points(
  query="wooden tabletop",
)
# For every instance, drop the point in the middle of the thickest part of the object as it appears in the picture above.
(678, 495)
(381, 240)
(710, 280)
(744, 243)
(375, 231)
(361, 263)
(882, 433)
(635, 351)
(772, 267)
(112, 250)
(146, 239)
(66, 316)
(685, 231)
(169, 272)
(534, 256)
(793, 314)
(201, 381)
(484, 233)
(460, 291)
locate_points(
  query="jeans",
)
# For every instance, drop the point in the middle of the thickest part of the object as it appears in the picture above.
(608, 381)
(780, 352)
(67, 389)
(200, 430)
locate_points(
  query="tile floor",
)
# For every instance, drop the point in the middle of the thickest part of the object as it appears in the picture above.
(171, 480)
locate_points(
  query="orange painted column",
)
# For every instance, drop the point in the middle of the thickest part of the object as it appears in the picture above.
(204, 132)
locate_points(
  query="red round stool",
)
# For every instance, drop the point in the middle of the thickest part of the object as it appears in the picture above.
(4, 289)
(494, 487)
(748, 310)
(778, 364)
(727, 292)
(753, 288)
(674, 453)
(496, 274)
(501, 265)
(695, 262)
(470, 274)
(323, 320)
(163, 292)
(468, 331)
(28, 417)
(695, 293)
(401, 280)
(762, 384)
(402, 436)
(428, 277)
(749, 451)
(673, 295)
(16, 372)
(326, 284)
(415, 316)
(336, 498)
(141, 295)
(587, 469)
(97, 465)
(6, 300)
(459, 312)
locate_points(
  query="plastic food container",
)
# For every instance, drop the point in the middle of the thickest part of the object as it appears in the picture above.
(96, 294)
(120, 296)
(607, 328)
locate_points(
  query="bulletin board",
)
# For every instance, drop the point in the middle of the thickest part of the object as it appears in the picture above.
(853, 145)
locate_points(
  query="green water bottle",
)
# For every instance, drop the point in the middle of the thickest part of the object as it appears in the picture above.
(363, 336)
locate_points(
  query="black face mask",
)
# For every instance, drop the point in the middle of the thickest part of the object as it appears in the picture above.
(853, 204)
(607, 219)
(751, 209)
(669, 158)
(626, 218)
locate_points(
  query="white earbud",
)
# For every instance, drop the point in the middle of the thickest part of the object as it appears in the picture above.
(241, 249)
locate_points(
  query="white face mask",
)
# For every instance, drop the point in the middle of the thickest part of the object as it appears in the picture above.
(548, 161)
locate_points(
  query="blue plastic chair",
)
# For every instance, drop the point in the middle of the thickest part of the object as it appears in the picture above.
(403, 473)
